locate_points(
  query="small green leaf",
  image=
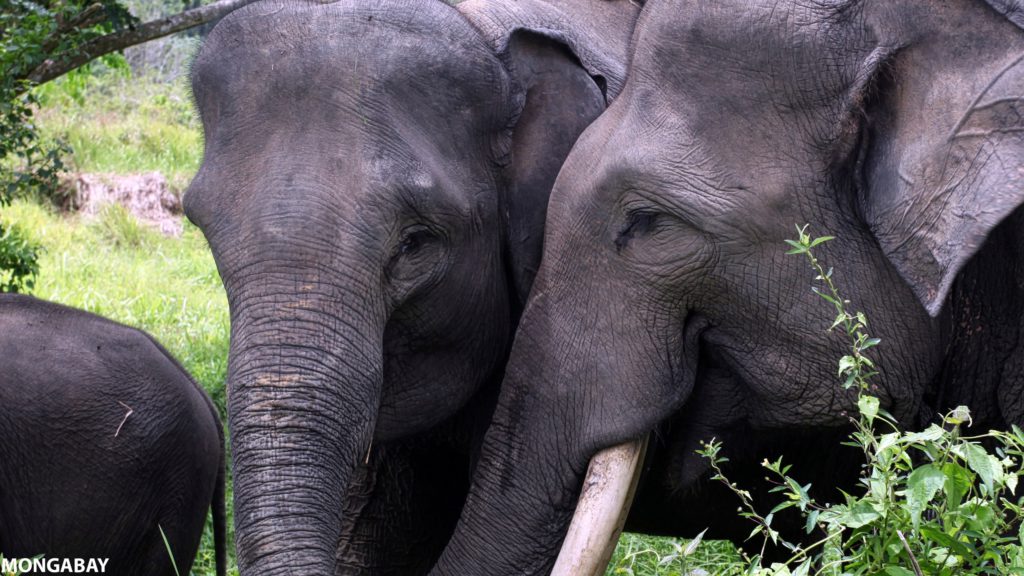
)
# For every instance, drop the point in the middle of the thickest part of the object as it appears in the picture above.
(929, 434)
(798, 248)
(984, 465)
(957, 484)
(691, 547)
(922, 485)
(869, 343)
(823, 295)
(846, 363)
(868, 406)
(893, 570)
(820, 240)
(860, 514)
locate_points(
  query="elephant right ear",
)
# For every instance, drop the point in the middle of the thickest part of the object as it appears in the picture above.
(944, 163)
(564, 68)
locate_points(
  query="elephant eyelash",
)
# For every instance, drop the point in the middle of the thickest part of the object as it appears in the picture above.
(412, 241)
(637, 222)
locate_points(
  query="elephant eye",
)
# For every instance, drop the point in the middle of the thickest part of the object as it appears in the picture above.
(417, 252)
(413, 242)
(638, 222)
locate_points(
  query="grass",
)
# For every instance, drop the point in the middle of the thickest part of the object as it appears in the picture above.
(124, 125)
(642, 555)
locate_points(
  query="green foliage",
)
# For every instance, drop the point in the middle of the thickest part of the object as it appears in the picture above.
(934, 502)
(123, 124)
(638, 555)
(33, 34)
(19, 260)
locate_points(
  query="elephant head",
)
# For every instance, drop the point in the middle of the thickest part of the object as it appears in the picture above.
(894, 125)
(373, 190)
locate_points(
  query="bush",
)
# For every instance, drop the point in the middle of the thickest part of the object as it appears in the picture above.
(935, 502)
(19, 260)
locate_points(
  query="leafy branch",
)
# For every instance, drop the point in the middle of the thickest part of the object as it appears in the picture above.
(934, 502)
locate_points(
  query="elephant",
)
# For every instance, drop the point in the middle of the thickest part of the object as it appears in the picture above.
(373, 189)
(108, 445)
(665, 303)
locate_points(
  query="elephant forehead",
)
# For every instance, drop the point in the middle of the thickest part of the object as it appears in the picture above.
(289, 53)
(752, 73)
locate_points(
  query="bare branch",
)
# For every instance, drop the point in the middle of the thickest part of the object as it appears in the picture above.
(62, 64)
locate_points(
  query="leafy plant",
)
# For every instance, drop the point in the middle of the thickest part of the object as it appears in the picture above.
(32, 34)
(936, 502)
(19, 260)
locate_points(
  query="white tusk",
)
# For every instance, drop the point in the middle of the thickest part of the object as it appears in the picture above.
(602, 509)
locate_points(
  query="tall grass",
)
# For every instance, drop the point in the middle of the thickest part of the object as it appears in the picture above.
(115, 123)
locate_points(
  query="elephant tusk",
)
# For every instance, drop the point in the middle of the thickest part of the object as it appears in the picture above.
(602, 509)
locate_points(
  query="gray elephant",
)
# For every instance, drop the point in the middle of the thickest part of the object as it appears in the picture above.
(374, 190)
(664, 298)
(105, 441)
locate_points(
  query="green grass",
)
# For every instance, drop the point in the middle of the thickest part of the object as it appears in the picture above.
(124, 125)
(641, 555)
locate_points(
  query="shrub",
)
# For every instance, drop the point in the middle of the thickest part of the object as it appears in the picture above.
(19, 260)
(936, 502)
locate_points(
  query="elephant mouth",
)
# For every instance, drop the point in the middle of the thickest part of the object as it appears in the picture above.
(610, 484)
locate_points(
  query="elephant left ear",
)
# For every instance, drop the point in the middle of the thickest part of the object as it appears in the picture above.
(944, 163)
(566, 61)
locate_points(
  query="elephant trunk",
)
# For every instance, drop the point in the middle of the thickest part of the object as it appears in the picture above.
(522, 498)
(521, 503)
(568, 403)
(303, 398)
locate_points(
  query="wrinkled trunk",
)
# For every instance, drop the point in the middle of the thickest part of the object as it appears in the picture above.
(523, 495)
(569, 393)
(304, 390)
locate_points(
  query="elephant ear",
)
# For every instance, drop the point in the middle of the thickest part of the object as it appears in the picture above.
(945, 159)
(565, 63)
(1011, 9)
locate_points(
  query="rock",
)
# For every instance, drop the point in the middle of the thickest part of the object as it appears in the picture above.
(146, 196)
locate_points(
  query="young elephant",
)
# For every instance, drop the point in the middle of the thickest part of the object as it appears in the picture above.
(374, 189)
(664, 291)
(105, 441)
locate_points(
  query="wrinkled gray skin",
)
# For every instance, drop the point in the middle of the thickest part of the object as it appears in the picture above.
(79, 480)
(664, 298)
(373, 189)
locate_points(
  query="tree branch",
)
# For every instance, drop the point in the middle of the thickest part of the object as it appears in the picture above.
(62, 64)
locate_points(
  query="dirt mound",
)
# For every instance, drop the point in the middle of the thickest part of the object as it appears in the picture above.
(146, 196)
